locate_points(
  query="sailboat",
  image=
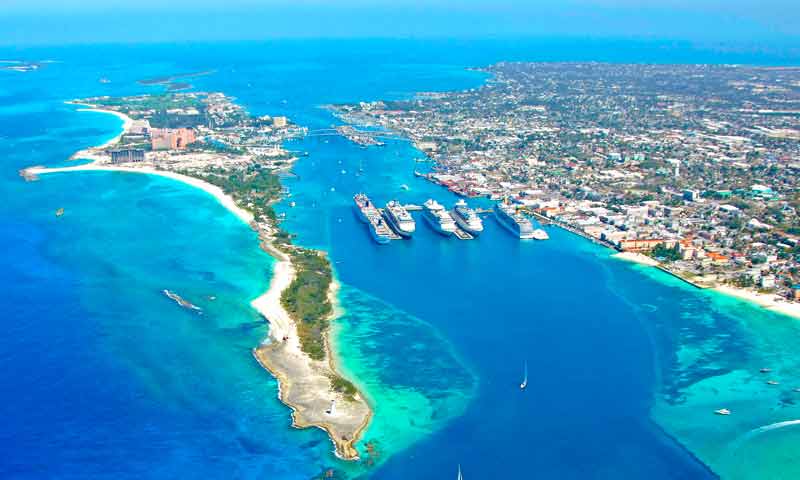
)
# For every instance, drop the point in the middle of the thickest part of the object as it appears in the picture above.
(459, 472)
(524, 380)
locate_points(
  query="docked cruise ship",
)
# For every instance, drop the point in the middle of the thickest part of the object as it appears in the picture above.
(514, 222)
(439, 218)
(372, 217)
(467, 219)
(401, 221)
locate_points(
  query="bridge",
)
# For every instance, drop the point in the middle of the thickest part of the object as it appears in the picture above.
(374, 134)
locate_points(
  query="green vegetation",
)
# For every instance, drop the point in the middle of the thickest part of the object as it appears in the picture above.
(159, 104)
(664, 253)
(306, 299)
(254, 187)
(343, 386)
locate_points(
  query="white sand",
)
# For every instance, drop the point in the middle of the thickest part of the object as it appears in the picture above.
(304, 384)
(771, 302)
(127, 122)
(269, 304)
(636, 258)
(224, 199)
(768, 301)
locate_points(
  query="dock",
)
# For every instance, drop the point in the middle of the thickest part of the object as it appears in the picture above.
(463, 235)
(392, 234)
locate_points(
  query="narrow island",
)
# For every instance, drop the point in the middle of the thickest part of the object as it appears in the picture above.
(208, 141)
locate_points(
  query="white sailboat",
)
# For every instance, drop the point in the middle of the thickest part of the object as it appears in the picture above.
(524, 380)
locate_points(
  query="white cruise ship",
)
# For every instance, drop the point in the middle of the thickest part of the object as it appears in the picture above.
(439, 218)
(514, 222)
(467, 219)
(401, 221)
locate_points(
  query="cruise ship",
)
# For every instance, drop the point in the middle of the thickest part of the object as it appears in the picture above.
(372, 217)
(400, 220)
(514, 222)
(437, 216)
(467, 219)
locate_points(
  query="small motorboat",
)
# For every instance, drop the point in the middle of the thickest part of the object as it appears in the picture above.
(765, 370)
(773, 382)
(524, 383)
(722, 411)
(59, 212)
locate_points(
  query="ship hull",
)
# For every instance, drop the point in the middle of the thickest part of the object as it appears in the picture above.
(512, 226)
(380, 239)
(396, 227)
(463, 225)
(360, 213)
(437, 227)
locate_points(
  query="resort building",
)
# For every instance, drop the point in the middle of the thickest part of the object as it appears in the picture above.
(171, 139)
(127, 155)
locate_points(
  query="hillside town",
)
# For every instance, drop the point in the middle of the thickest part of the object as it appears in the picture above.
(695, 166)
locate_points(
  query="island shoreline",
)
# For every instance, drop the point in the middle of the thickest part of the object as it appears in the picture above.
(268, 304)
(767, 301)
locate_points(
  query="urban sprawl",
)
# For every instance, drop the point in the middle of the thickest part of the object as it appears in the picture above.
(693, 165)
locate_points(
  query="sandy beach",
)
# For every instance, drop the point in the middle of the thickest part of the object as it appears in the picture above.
(96, 153)
(304, 384)
(127, 122)
(269, 304)
(768, 301)
(771, 302)
(636, 258)
(224, 199)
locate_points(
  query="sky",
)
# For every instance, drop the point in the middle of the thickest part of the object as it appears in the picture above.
(32, 22)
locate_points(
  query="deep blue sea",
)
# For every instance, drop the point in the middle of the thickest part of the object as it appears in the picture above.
(105, 377)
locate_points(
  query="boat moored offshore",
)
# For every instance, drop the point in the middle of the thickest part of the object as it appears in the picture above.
(467, 219)
(370, 215)
(400, 220)
(513, 221)
(439, 218)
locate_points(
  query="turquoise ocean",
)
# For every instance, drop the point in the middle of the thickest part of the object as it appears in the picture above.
(105, 377)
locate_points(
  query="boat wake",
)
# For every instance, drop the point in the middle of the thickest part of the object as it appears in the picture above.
(182, 302)
(736, 444)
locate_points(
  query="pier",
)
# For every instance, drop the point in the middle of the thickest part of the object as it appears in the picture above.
(463, 235)
(392, 234)
(389, 232)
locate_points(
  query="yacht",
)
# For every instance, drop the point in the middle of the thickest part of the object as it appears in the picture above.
(524, 383)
